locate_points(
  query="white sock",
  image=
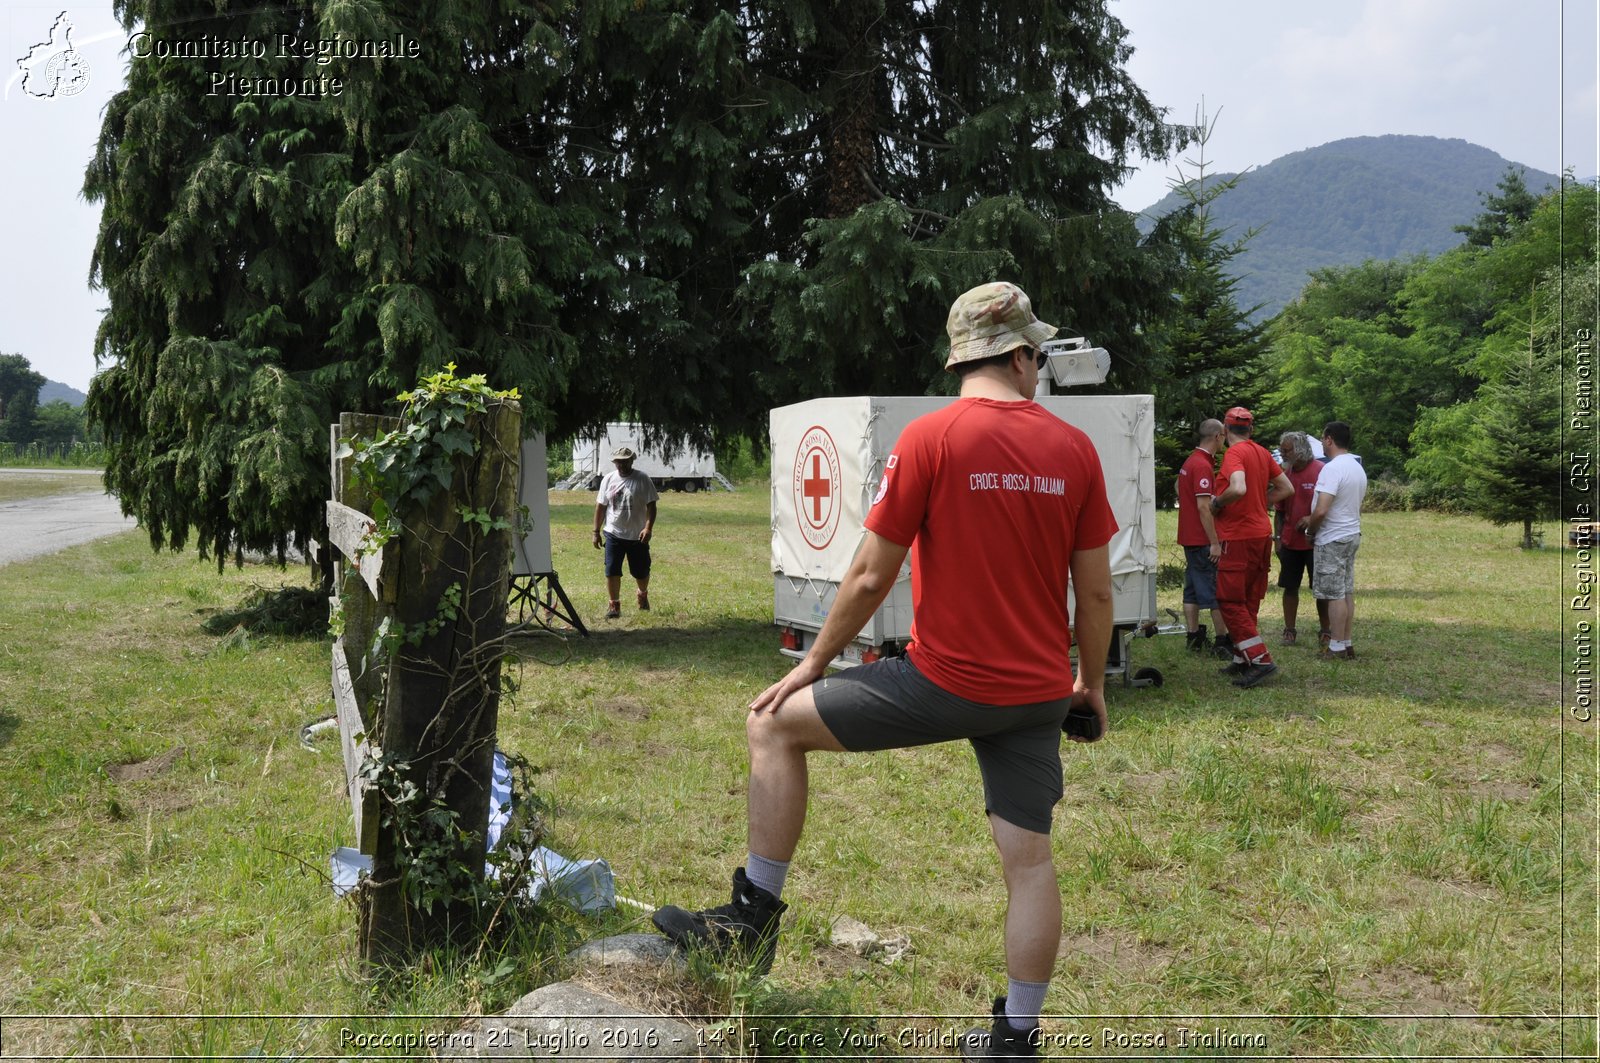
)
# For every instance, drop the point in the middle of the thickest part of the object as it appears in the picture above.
(766, 874)
(1024, 1002)
(1334, 645)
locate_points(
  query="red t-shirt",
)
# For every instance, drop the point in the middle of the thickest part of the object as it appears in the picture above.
(1246, 518)
(993, 498)
(1197, 477)
(1298, 505)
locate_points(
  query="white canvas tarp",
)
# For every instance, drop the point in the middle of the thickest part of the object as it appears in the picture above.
(828, 455)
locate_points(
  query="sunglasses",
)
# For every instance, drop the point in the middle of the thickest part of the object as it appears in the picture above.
(1039, 357)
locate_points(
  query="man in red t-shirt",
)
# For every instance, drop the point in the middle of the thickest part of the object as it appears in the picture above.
(1254, 482)
(1301, 468)
(997, 502)
(1197, 534)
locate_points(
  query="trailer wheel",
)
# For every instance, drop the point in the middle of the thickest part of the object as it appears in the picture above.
(1148, 677)
(691, 486)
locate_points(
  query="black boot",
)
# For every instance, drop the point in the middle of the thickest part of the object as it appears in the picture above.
(1222, 646)
(746, 929)
(1001, 1040)
(1197, 639)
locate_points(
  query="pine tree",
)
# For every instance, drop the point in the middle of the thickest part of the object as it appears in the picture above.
(273, 259)
(1211, 348)
(216, 253)
(926, 148)
(1503, 211)
(1514, 476)
(677, 211)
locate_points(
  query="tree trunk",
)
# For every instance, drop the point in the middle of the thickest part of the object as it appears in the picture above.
(850, 148)
(442, 709)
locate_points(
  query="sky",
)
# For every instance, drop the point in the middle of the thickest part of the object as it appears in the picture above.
(1277, 75)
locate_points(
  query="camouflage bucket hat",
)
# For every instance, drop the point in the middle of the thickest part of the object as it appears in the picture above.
(992, 319)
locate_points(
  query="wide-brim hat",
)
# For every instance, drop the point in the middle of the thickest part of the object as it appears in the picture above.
(623, 454)
(992, 319)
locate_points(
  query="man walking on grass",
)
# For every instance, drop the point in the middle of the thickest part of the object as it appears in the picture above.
(1253, 483)
(1335, 528)
(624, 519)
(986, 661)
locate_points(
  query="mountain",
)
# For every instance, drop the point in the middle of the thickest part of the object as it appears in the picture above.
(1348, 201)
(52, 390)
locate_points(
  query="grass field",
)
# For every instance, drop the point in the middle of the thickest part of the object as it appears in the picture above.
(18, 484)
(1390, 857)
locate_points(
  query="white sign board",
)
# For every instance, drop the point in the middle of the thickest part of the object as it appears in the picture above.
(530, 553)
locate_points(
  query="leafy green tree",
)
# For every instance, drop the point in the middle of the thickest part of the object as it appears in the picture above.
(59, 423)
(19, 398)
(1341, 351)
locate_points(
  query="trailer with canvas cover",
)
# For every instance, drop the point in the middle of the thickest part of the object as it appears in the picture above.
(827, 458)
(672, 465)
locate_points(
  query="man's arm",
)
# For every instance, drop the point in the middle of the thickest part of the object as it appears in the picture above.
(1091, 624)
(1279, 490)
(649, 521)
(1319, 513)
(864, 587)
(599, 522)
(1235, 489)
(1208, 523)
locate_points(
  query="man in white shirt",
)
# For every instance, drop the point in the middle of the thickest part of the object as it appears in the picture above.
(1334, 526)
(624, 518)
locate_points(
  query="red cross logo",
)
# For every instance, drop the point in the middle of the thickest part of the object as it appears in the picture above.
(818, 488)
(817, 483)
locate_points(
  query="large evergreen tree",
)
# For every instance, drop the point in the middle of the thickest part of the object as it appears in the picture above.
(681, 211)
(225, 330)
(941, 145)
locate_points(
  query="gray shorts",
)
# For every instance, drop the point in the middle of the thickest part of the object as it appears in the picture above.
(1333, 572)
(890, 705)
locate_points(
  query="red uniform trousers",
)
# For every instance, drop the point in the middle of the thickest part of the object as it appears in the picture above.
(1241, 584)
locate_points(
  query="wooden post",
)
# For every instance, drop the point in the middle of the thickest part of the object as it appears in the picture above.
(442, 705)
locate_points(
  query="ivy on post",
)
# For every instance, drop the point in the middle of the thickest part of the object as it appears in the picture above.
(443, 499)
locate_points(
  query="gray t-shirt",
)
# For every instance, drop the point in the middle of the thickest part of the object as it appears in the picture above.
(626, 499)
(1344, 479)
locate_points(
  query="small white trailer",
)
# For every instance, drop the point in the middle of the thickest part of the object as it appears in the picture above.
(675, 465)
(828, 456)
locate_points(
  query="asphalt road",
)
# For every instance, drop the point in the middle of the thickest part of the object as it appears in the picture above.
(36, 526)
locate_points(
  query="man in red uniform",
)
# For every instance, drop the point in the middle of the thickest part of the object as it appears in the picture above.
(998, 501)
(1301, 468)
(1197, 534)
(1254, 482)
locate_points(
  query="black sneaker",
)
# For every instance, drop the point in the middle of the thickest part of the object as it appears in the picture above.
(1236, 668)
(1254, 674)
(1197, 639)
(746, 929)
(1000, 1040)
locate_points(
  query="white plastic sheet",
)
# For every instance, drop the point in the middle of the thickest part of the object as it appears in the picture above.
(587, 885)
